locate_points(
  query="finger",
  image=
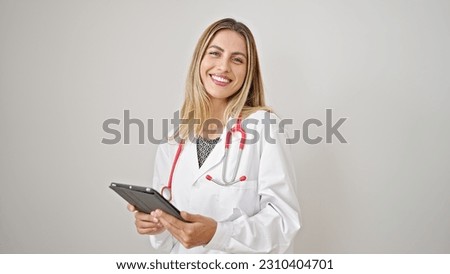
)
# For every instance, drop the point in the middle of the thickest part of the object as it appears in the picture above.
(191, 217)
(176, 233)
(147, 230)
(176, 223)
(131, 208)
(145, 224)
(171, 223)
(145, 217)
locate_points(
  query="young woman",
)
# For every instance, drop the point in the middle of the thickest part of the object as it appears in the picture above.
(230, 174)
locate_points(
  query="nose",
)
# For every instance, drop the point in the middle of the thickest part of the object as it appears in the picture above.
(224, 64)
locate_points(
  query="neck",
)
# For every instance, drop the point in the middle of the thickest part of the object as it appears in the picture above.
(216, 112)
(217, 109)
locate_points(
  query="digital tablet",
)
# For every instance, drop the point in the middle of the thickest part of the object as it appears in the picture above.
(145, 199)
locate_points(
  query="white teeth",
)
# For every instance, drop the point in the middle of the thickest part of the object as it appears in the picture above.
(220, 79)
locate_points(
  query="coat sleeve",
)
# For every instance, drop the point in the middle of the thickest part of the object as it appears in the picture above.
(274, 227)
(163, 242)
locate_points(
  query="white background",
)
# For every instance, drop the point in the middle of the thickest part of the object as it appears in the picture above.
(66, 66)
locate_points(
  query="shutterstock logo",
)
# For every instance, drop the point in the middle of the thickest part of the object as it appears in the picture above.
(119, 130)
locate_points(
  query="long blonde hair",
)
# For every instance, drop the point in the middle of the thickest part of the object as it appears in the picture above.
(248, 99)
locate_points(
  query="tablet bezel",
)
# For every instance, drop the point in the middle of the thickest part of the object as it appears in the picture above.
(145, 199)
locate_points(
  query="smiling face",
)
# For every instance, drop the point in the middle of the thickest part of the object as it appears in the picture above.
(224, 65)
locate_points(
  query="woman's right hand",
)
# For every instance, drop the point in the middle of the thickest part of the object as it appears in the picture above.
(146, 224)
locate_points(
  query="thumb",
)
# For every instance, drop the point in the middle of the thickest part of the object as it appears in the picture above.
(190, 217)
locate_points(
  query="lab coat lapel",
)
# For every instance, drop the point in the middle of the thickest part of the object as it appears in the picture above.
(190, 152)
(214, 158)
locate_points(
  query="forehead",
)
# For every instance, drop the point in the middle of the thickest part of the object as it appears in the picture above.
(229, 40)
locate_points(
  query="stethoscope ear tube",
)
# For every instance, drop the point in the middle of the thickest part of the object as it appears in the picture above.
(225, 181)
(225, 165)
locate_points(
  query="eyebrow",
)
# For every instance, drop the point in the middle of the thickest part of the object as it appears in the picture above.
(233, 53)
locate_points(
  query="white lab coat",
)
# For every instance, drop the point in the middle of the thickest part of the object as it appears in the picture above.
(259, 215)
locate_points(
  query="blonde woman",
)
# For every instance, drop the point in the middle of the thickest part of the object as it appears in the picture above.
(227, 166)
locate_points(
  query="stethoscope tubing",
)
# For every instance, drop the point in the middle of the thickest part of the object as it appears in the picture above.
(166, 191)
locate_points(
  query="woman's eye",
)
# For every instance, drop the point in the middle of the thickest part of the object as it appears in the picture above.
(238, 60)
(214, 53)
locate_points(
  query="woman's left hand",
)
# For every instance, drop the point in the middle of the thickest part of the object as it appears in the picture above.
(198, 232)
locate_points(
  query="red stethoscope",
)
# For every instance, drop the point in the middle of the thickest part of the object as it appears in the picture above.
(166, 191)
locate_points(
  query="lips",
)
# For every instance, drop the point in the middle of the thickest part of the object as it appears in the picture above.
(220, 80)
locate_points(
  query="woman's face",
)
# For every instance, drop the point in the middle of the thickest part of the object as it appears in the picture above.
(224, 64)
